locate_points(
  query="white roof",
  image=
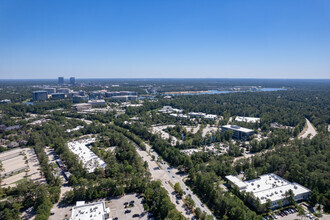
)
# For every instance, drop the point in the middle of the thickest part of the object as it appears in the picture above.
(197, 113)
(210, 116)
(92, 211)
(90, 160)
(179, 115)
(239, 183)
(247, 119)
(237, 128)
(270, 186)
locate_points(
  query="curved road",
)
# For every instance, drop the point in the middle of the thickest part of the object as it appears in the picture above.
(310, 130)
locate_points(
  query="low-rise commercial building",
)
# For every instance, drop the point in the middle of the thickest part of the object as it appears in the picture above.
(196, 114)
(79, 98)
(211, 117)
(82, 106)
(270, 187)
(179, 115)
(247, 119)
(97, 102)
(169, 109)
(5, 101)
(121, 93)
(238, 132)
(90, 160)
(124, 98)
(91, 211)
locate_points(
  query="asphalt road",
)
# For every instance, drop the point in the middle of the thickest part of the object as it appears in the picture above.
(166, 174)
(310, 130)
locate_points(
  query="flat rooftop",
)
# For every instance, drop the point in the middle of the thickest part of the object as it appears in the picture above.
(90, 160)
(237, 128)
(239, 183)
(247, 119)
(268, 186)
(92, 211)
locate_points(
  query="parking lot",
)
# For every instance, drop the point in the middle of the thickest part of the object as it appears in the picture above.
(18, 164)
(134, 207)
(289, 214)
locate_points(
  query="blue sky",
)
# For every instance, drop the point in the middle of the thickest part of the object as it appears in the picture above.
(165, 39)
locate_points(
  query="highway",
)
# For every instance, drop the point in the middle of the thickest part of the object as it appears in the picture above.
(166, 174)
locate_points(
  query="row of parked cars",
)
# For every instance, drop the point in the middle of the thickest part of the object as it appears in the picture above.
(286, 212)
(281, 213)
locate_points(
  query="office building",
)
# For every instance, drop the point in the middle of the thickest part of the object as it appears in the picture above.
(239, 132)
(132, 97)
(82, 106)
(196, 114)
(169, 109)
(121, 93)
(61, 80)
(89, 159)
(58, 96)
(5, 101)
(247, 119)
(63, 90)
(97, 102)
(82, 93)
(50, 90)
(272, 187)
(211, 117)
(72, 80)
(79, 98)
(40, 95)
(91, 211)
(124, 98)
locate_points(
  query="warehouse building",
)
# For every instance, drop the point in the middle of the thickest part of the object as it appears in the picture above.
(270, 187)
(239, 132)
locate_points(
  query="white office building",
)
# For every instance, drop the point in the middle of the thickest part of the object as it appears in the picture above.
(247, 119)
(272, 187)
(179, 116)
(90, 160)
(239, 132)
(92, 211)
(211, 117)
(196, 114)
(169, 109)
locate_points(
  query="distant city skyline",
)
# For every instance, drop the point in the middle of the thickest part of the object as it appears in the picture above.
(165, 39)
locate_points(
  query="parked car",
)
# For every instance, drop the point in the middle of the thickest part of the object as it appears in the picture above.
(127, 211)
(136, 215)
